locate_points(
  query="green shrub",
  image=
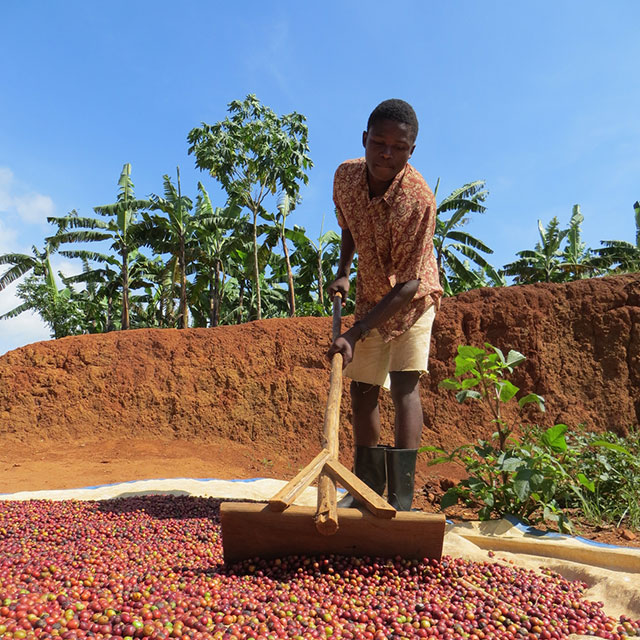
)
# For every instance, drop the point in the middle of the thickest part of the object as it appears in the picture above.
(506, 475)
(542, 474)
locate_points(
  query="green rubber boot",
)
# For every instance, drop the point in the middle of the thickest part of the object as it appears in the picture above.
(401, 469)
(369, 466)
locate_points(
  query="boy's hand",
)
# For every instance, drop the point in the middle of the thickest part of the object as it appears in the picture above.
(344, 344)
(341, 286)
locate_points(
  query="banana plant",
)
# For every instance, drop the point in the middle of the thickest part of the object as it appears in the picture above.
(455, 249)
(543, 262)
(620, 256)
(219, 233)
(576, 257)
(119, 229)
(38, 265)
(314, 261)
(279, 233)
(173, 234)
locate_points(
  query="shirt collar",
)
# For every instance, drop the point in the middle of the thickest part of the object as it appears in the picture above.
(392, 191)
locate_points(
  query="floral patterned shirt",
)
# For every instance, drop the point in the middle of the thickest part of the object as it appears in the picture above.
(393, 236)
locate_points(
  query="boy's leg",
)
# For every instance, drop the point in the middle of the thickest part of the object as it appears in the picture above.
(401, 459)
(368, 371)
(366, 414)
(369, 460)
(405, 393)
(408, 360)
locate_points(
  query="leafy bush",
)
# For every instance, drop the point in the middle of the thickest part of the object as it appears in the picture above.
(506, 475)
(545, 472)
(612, 463)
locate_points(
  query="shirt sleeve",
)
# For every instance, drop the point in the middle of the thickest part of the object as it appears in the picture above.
(338, 189)
(413, 239)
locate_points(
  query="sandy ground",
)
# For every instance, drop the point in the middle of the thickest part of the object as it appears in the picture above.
(70, 465)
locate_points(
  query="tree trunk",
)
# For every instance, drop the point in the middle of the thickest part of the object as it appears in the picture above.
(109, 308)
(125, 289)
(240, 302)
(215, 296)
(184, 311)
(256, 275)
(320, 279)
(292, 297)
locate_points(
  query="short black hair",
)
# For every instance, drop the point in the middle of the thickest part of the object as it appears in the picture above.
(395, 109)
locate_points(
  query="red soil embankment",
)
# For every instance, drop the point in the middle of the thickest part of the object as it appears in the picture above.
(248, 400)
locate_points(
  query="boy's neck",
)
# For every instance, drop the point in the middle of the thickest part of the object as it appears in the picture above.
(378, 188)
(376, 192)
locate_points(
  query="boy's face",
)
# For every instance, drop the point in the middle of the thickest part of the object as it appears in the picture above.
(388, 146)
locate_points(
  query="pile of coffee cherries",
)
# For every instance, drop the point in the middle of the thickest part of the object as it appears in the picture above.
(151, 567)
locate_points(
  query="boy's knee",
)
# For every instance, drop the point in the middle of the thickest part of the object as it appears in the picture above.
(363, 392)
(404, 383)
(364, 388)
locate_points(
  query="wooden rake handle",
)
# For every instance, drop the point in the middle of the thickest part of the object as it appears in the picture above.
(326, 518)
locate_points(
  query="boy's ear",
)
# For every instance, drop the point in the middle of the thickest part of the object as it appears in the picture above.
(364, 138)
(412, 150)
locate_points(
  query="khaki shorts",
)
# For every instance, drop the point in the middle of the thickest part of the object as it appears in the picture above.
(373, 358)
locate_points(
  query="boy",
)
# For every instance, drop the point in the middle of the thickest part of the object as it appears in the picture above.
(387, 214)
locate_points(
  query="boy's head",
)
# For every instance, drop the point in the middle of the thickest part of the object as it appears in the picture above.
(398, 111)
(389, 142)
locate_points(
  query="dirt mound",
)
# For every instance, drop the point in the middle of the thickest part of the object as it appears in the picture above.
(248, 400)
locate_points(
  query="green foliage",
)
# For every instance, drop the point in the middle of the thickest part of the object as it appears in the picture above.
(559, 256)
(505, 475)
(619, 256)
(525, 479)
(254, 153)
(544, 473)
(214, 265)
(481, 374)
(612, 465)
(220, 237)
(315, 261)
(37, 265)
(455, 249)
(119, 229)
(278, 233)
(60, 309)
(172, 233)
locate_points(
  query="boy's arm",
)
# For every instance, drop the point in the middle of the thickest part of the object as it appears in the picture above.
(397, 298)
(347, 251)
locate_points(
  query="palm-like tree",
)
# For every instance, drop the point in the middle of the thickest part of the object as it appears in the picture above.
(618, 255)
(550, 261)
(476, 279)
(456, 250)
(279, 233)
(119, 229)
(314, 262)
(219, 233)
(173, 234)
(38, 265)
(155, 306)
(577, 259)
(98, 296)
(543, 262)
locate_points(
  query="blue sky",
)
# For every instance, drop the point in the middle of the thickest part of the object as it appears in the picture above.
(540, 99)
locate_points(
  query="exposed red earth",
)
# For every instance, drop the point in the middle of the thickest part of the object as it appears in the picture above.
(248, 401)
